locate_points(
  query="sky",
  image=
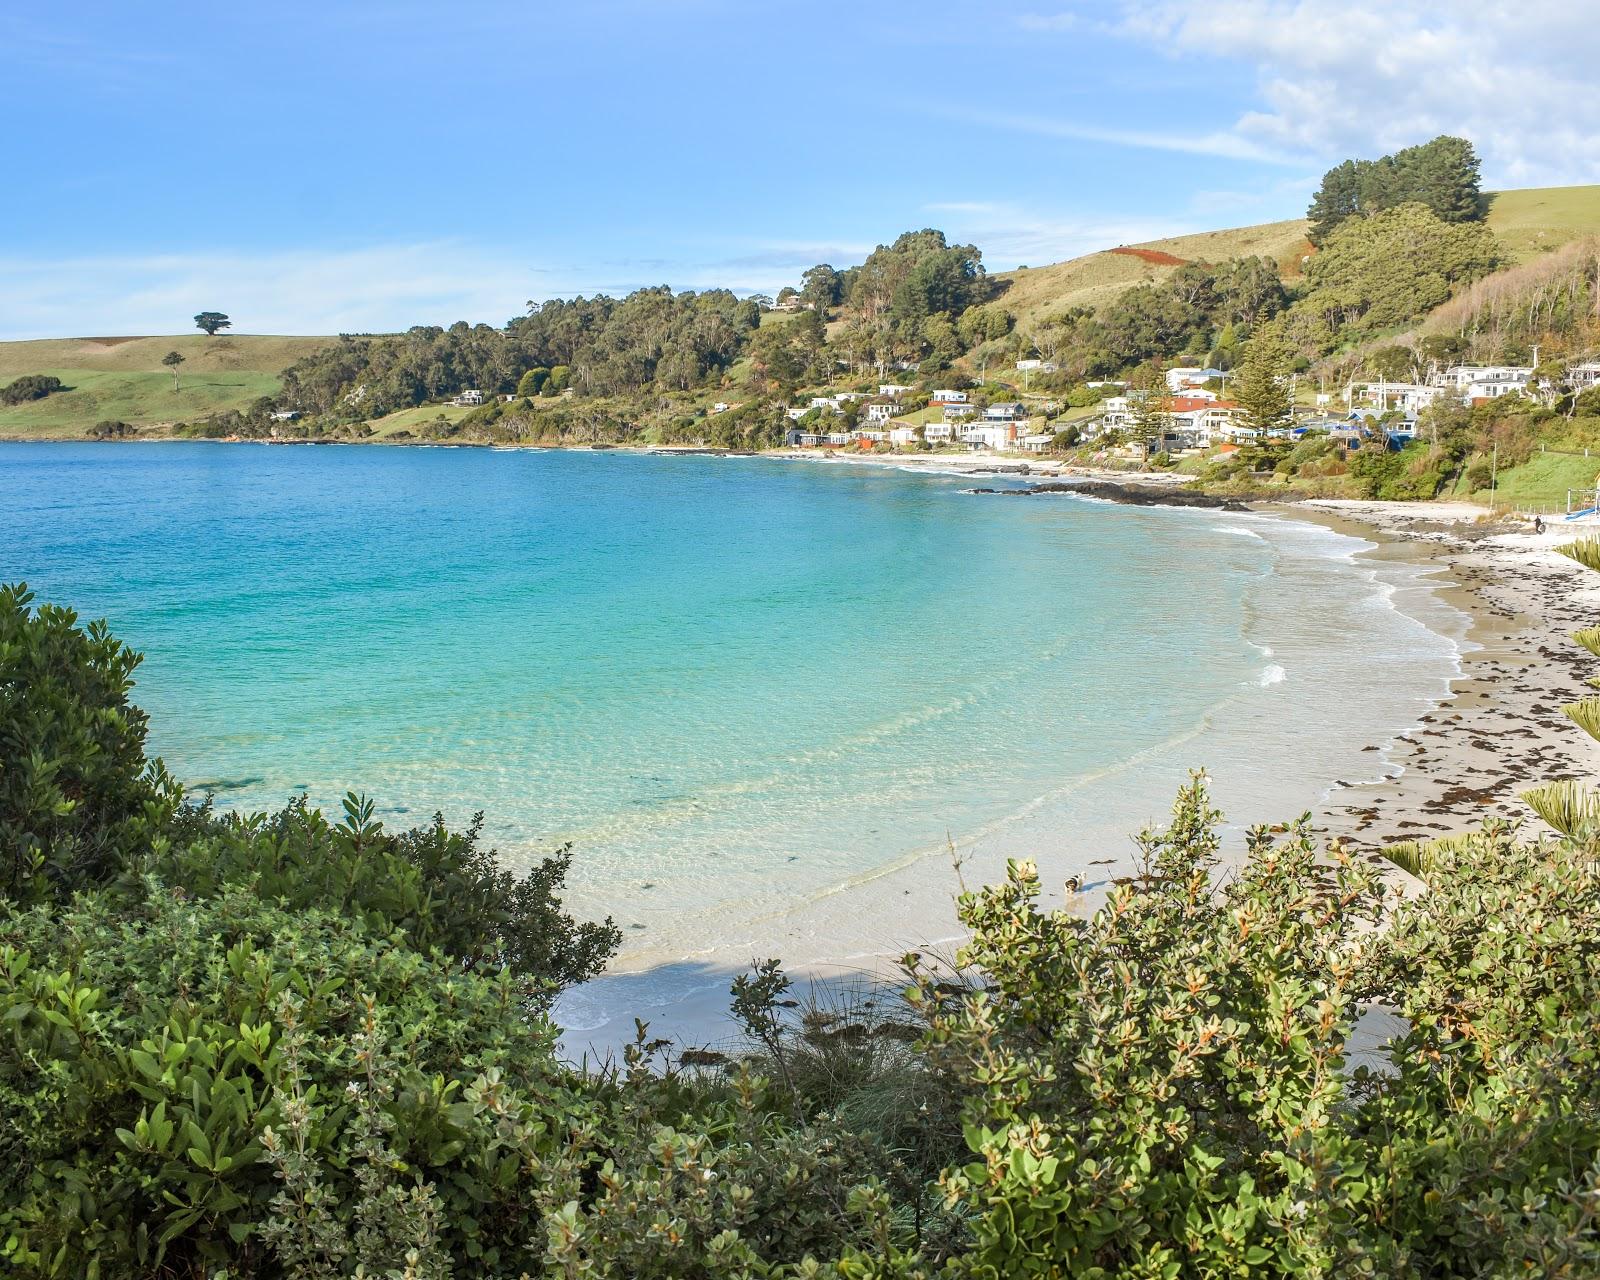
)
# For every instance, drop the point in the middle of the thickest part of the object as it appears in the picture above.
(365, 166)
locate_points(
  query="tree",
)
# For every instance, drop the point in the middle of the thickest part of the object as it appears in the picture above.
(1262, 385)
(821, 287)
(1441, 174)
(211, 321)
(1152, 408)
(172, 360)
(532, 382)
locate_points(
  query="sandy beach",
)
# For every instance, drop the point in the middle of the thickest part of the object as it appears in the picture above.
(1502, 731)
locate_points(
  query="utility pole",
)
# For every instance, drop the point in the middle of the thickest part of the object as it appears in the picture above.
(1494, 472)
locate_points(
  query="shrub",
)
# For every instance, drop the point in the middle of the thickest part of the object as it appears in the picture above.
(78, 799)
(30, 386)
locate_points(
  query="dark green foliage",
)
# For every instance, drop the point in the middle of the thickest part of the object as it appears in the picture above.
(78, 799)
(436, 888)
(1386, 270)
(112, 429)
(1442, 175)
(212, 322)
(192, 1084)
(30, 386)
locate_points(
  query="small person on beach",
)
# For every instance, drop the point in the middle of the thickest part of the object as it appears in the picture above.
(1538, 524)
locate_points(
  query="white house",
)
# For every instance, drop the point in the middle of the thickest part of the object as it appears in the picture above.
(1410, 397)
(902, 436)
(1462, 376)
(955, 412)
(796, 413)
(1036, 366)
(1036, 443)
(1004, 411)
(879, 410)
(872, 437)
(285, 415)
(1179, 379)
(470, 396)
(1494, 388)
(825, 403)
(894, 390)
(989, 436)
(1580, 377)
(948, 397)
(938, 432)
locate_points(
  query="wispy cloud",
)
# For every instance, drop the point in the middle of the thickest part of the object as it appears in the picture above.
(369, 289)
(1358, 77)
(305, 291)
(1220, 144)
(1012, 234)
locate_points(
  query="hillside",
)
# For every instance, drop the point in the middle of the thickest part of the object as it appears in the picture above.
(1528, 222)
(123, 379)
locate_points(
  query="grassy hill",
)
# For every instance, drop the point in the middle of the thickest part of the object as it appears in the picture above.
(1528, 223)
(122, 378)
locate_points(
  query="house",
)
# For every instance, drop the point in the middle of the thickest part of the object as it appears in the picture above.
(470, 396)
(1004, 411)
(938, 432)
(878, 410)
(872, 437)
(948, 397)
(900, 437)
(955, 412)
(794, 438)
(1036, 366)
(285, 415)
(825, 403)
(1178, 379)
(994, 436)
(1408, 397)
(796, 413)
(1462, 376)
(1580, 377)
(1105, 382)
(1036, 443)
(838, 437)
(894, 390)
(1493, 389)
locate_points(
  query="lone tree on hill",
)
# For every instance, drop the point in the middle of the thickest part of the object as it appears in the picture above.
(172, 360)
(211, 321)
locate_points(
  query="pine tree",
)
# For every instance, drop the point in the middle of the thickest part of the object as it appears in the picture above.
(1152, 409)
(1261, 386)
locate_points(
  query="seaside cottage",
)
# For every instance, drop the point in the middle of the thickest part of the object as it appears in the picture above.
(938, 433)
(879, 410)
(955, 412)
(948, 397)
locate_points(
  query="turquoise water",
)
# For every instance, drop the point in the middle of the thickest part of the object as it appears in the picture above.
(738, 686)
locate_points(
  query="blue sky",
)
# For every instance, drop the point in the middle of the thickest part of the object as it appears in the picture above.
(364, 166)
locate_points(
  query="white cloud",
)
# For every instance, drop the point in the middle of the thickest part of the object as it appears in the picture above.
(373, 289)
(1010, 235)
(1219, 144)
(1337, 78)
(305, 291)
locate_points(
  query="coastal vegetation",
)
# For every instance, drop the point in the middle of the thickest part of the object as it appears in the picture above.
(290, 1045)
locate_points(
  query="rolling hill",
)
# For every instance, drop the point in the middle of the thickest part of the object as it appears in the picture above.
(123, 378)
(1528, 222)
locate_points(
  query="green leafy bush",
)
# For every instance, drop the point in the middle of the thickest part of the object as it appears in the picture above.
(78, 799)
(31, 386)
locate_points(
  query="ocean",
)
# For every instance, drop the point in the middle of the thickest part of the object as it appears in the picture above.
(765, 701)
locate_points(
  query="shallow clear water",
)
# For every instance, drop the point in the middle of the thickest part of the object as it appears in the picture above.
(740, 682)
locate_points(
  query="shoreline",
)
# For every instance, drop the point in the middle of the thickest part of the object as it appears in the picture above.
(1500, 730)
